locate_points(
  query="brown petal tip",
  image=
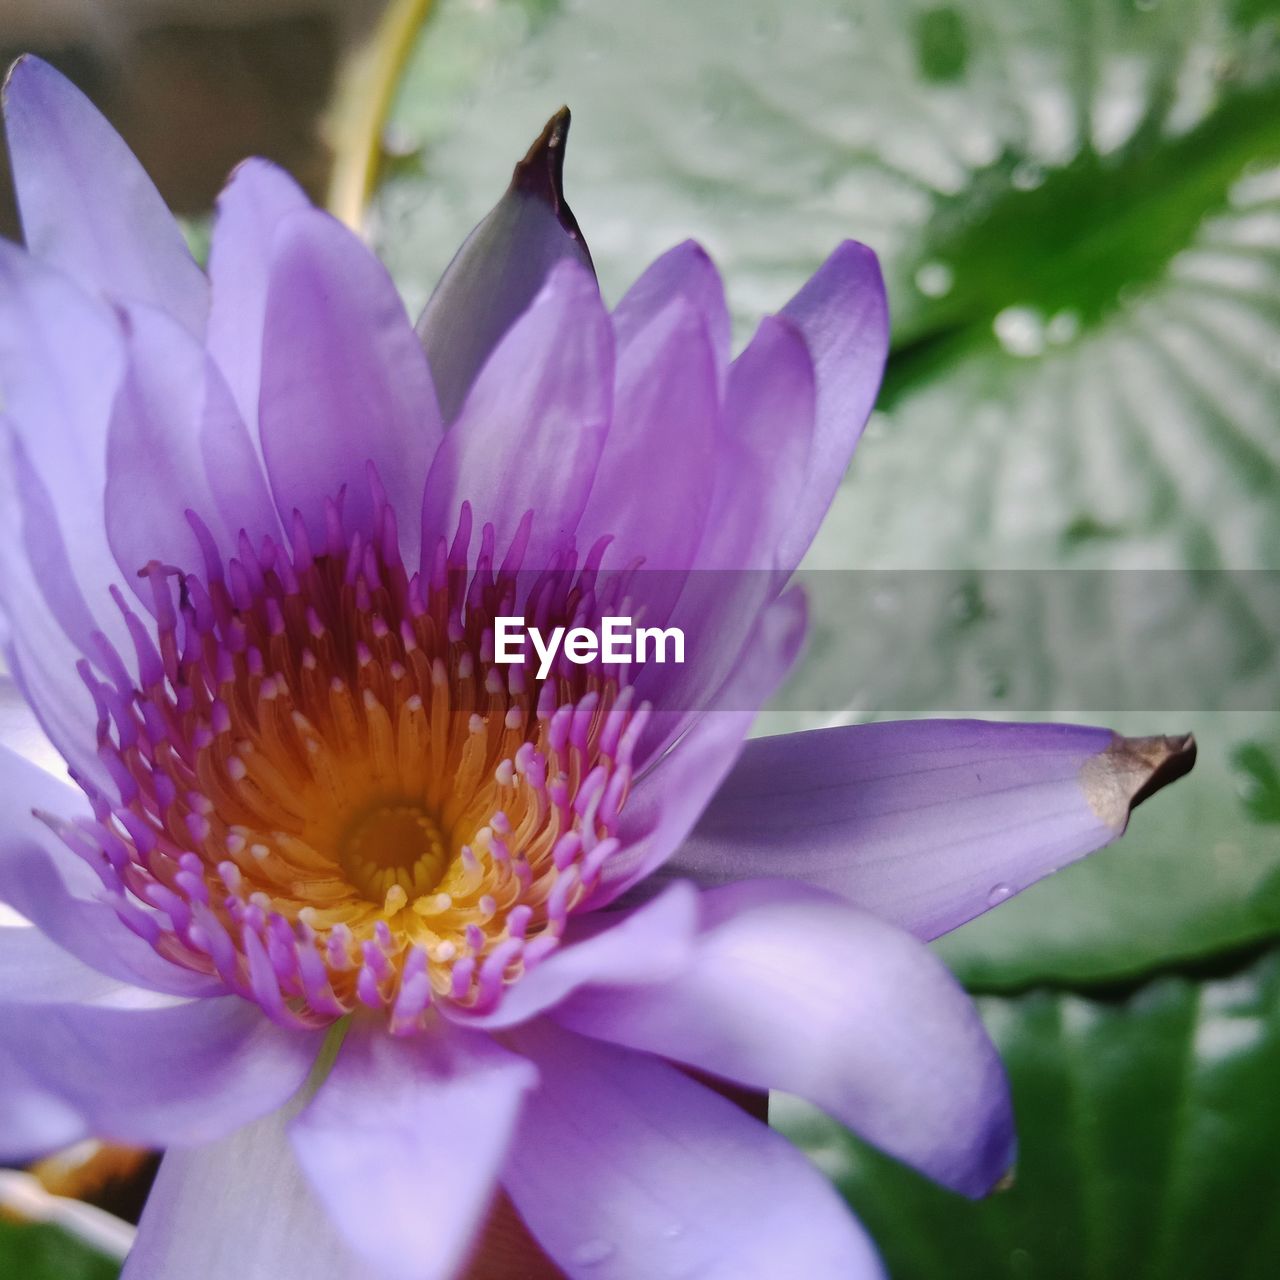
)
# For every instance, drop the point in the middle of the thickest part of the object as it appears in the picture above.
(1132, 770)
(541, 173)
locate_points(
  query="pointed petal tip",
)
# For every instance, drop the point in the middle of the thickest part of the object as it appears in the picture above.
(1131, 770)
(541, 172)
(15, 70)
(1167, 757)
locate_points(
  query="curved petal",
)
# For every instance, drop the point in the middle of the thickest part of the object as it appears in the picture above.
(531, 431)
(61, 359)
(500, 268)
(240, 1207)
(344, 382)
(653, 486)
(404, 1140)
(33, 1123)
(626, 1169)
(925, 823)
(176, 444)
(256, 199)
(35, 970)
(159, 1075)
(48, 884)
(792, 989)
(648, 945)
(41, 656)
(760, 469)
(767, 438)
(87, 205)
(35, 1119)
(844, 316)
(666, 801)
(20, 730)
(683, 272)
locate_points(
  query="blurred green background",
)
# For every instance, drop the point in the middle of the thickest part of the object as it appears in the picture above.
(1077, 203)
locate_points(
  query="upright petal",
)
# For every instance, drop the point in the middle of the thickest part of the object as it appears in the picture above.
(176, 444)
(925, 823)
(39, 604)
(344, 381)
(792, 989)
(61, 360)
(685, 272)
(254, 202)
(501, 267)
(653, 487)
(87, 205)
(240, 1207)
(530, 434)
(404, 1141)
(626, 1169)
(761, 463)
(844, 317)
(764, 454)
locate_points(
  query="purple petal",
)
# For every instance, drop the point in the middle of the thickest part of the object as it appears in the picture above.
(33, 1122)
(844, 317)
(181, 1074)
(767, 437)
(344, 382)
(404, 1141)
(683, 272)
(20, 731)
(533, 426)
(255, 201)
(625, 1169)
(87, 205)
(176, 444)
(61, 358)
(925, 823)
(647, 945)
(41, 656)
(35, 970)
(760, 469)
(502, 265)
(43, 880)
(240, 1207)
(792, 989)
(667, 801)
(661, 445)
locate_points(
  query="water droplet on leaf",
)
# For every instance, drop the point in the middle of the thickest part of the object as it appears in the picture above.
(935, 279)
(1020, 331)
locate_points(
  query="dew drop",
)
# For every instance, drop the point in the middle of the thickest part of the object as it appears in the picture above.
(935, 279)
(1063, 328)
(1020, 331)
(593, 1252)
(999, 893)
(1027, 176)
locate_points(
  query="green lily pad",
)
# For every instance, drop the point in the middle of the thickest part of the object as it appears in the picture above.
(35, 1251)
(1148, 1126)
(1078, 210)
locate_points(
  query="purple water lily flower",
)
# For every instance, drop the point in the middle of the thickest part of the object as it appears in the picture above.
(334, 911)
